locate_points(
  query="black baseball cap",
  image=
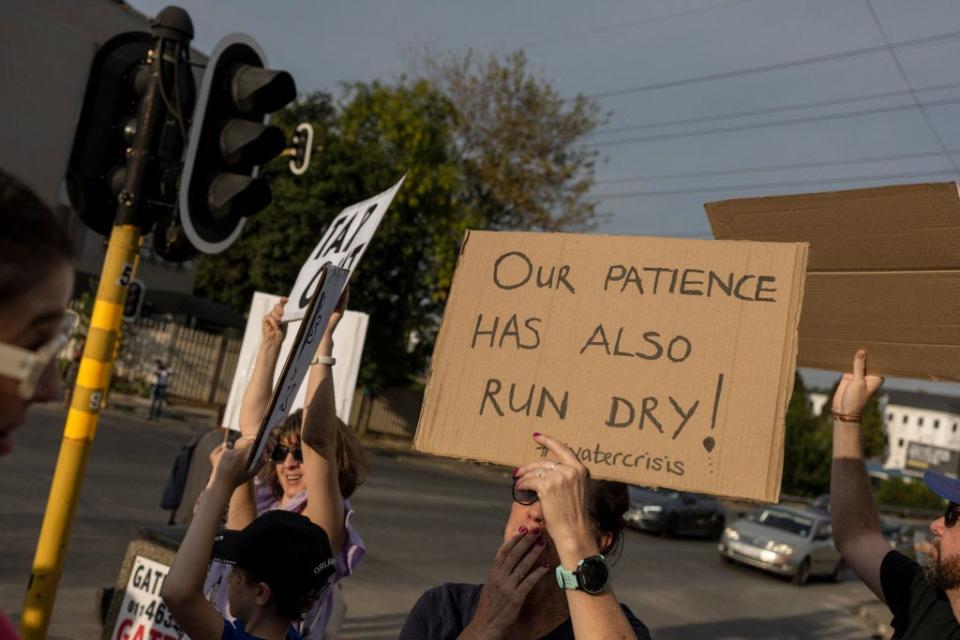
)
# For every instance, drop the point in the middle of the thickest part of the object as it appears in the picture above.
(284, 549)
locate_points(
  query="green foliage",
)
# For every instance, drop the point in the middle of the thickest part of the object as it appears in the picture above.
(899, 493)
(807, 446)
(363, 148)
(809, 442)
(518, 141)
(483, 144)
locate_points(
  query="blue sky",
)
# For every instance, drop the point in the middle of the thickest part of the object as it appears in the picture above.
(709, 99)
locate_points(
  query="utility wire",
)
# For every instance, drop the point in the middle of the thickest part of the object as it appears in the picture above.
(768, 125)
(772, 110)
(850, 53)
(777, 167)
(633, 25)
(770, 185)
(906, 81)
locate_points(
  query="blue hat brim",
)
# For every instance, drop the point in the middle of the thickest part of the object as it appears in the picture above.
(944, 486)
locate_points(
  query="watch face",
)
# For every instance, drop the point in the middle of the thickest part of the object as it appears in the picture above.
(593, 574)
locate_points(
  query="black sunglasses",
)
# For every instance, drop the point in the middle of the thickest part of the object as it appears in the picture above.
(951, 515)
(524, 496)
(280, 454)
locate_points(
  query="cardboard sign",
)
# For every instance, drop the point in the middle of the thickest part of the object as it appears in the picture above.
(661, 362)
(343, 244)
(331, 283)
(349, 338)
(884, 273)
(142, 613)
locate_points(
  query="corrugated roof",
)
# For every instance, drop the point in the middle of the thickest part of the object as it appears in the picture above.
(920, 400)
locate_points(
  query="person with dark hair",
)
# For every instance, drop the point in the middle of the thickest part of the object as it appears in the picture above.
(36, 281)
(924, 603)
(550, 577)
(158, 392)
(281, 562)
(316, 466)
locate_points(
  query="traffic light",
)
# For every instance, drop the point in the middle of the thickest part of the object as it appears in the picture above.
(106, 128)
(302, 148)
(229, 140)
(134, 302)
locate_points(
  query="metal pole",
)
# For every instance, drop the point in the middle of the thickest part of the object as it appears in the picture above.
(171, 26)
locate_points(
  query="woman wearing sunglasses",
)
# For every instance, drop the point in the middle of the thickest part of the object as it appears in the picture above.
(550, 577)
(317, 464)
(36, 280)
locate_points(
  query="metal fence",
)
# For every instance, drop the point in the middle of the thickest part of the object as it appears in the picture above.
(202, 363)
(394, 412)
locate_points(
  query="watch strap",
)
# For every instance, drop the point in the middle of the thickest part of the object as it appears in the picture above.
(566, 579)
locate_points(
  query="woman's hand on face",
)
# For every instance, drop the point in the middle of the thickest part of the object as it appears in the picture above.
(513, 575)
(855, 389)
(273, 329)
(562, 490)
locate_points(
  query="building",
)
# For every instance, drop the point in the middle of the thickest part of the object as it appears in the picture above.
(923, 430)
(49, 47)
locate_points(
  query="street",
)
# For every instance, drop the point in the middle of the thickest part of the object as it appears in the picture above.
(425, 521)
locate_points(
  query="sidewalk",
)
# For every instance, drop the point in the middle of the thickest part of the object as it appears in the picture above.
(194, 415)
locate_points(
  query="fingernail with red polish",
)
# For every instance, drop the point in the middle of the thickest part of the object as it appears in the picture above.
(515, 469)
(535, 531)
(522, 529)
(536, 433)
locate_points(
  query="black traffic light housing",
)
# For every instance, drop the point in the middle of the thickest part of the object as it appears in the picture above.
(134, 302)
(106, 127)
(229, 140)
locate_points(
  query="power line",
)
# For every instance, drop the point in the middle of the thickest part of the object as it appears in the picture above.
(770, 185)
(633, 25)
(850, 53)
(772, 110)
(906, 81)
(777, 167)
(768, 125)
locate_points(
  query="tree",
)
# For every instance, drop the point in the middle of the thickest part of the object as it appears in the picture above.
(518, 142)
(484, 145)
(365, 144)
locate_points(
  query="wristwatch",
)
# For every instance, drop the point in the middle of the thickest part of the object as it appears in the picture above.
(590, 576)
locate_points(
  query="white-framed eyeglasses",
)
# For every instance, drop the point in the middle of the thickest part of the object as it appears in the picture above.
(27, 366)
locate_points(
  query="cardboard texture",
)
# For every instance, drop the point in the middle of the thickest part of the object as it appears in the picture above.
(653, 370)
(884, 273)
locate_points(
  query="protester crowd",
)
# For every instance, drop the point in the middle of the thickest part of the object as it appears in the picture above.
(272, 570)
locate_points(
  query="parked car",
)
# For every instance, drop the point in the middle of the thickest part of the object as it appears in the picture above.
(899, 535)
(788, 542)
(675, 512)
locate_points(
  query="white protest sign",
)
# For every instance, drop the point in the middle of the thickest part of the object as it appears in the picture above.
(143, 615)
(332, 281)
(348, 340)
(343, 244)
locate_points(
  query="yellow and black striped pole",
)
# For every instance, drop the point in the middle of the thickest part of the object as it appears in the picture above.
(81, 426)
(172, 31)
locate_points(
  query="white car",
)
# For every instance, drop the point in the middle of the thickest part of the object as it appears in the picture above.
(784, 541)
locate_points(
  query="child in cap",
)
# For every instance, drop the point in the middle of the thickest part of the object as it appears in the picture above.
(283, 562)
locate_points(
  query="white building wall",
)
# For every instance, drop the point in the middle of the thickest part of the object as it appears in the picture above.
(906, 424)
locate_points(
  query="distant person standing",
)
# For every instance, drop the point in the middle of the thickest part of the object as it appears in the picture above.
(161, 380)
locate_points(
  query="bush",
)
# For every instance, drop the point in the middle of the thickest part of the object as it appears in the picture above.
(899, 493)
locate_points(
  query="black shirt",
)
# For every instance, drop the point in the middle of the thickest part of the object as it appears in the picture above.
(919, 612)
(443, 612)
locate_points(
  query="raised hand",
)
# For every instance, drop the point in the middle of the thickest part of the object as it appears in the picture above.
(855, 389)
(561, 487)
(514, 572)
(274, 330)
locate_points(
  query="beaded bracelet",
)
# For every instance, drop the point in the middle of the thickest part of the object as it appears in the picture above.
(846, 417)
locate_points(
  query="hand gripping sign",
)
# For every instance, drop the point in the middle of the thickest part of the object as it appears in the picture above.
(343, 244)
(331, 281)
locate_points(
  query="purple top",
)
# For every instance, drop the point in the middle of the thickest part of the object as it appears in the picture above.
(345, 562)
